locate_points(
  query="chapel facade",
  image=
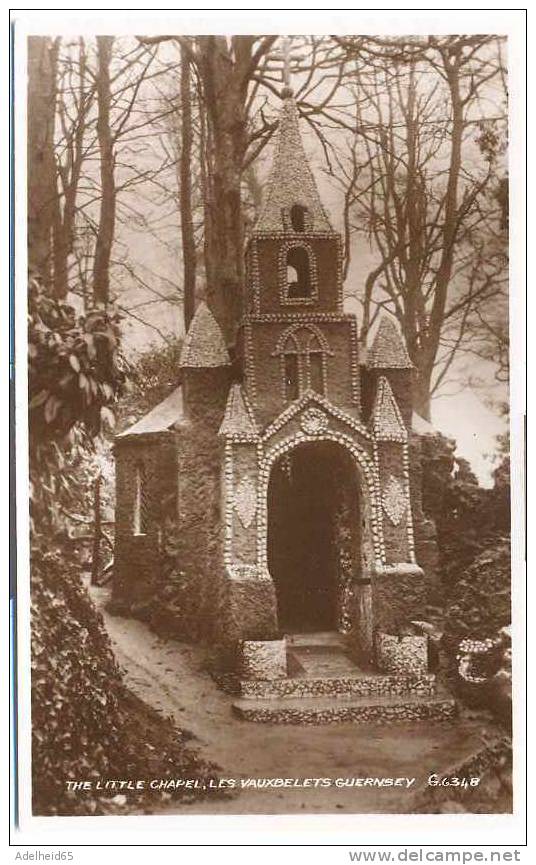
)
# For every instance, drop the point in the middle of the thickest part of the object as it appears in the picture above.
(291, 476)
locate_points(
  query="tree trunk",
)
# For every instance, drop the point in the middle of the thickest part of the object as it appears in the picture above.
(254, 188)
(225, 91)
(429, 341)
(69, 170)
(61, 248)
(42, 187)
(187, 226)
(105, 233)
(206, 190)
(422, 386)
(452, 220)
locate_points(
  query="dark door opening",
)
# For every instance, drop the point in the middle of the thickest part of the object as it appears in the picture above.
(310, 488)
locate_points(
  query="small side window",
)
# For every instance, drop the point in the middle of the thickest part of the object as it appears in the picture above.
(141, 503)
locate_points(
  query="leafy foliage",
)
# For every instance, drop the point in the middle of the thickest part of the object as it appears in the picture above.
(473, 527)
(75, 376)
(76, 370)
(76, 684)
(85, 724)
(480, 604)
(154, 373)
(468, 517)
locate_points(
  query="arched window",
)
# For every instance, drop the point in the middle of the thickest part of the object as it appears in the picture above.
(298, 217)
(303, 351)
(299, 282)
(141, 503)
(315, 358)
(316, 371)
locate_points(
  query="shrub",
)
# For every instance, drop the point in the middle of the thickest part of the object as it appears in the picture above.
(479, 604)
(468, 518)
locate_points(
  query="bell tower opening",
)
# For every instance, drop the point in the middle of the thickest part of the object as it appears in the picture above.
(299, 282)
(298, 217)
(314, 536)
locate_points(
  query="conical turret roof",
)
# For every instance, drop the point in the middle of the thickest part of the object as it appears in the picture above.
(388, 350)
(204, 345)
(238, 420)
(291, 179)
(386, 420)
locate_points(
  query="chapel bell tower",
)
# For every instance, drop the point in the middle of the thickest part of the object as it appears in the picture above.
(296, 336)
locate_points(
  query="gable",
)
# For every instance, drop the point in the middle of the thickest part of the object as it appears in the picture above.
(161, 418)
(313, 414)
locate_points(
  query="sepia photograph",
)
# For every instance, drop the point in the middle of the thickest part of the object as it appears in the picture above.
(268, 422)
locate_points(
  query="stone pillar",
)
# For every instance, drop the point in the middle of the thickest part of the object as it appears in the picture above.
(249, 606)
(402, 655)
(398, 586)
(248, 603)
(398, 597)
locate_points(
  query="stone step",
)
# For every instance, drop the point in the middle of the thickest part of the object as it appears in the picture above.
(357, 710)
(317, 638)
(322, 660)
(338, 687)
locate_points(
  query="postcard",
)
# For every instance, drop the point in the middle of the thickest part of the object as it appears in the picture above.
(269, 511)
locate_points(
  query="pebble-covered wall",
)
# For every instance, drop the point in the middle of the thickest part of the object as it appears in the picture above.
(401, 385)
(266, 262)
(265, 341)
(200, 517)
(137, 555)
(426, 549)
(407, 655)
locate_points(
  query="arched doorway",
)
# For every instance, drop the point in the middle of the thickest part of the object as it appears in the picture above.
(315, 527)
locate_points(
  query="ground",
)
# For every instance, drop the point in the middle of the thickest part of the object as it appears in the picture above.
(173, 677)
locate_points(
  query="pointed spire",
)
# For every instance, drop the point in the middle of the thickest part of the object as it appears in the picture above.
(238, 419)
(386, 420)
(388, 350)
(291, 179)
(204, 345)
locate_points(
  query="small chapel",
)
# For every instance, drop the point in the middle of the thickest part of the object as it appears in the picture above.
(291, 479)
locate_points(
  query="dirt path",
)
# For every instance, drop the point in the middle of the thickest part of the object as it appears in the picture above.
(171, 677)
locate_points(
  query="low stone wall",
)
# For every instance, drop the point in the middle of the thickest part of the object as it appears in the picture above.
(404, 655)
(263, 659)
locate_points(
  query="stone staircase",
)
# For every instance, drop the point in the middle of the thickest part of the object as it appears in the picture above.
(325, 686)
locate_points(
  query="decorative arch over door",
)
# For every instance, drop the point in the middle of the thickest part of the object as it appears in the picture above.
(299, 518)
